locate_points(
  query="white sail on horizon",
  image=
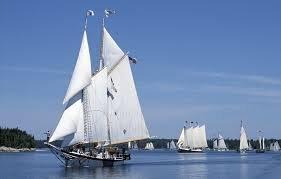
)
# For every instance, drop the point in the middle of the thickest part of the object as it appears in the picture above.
(171, 145)
(221, 142)
(215, 144)
(149, 146)
(243, 139)
(274, 146)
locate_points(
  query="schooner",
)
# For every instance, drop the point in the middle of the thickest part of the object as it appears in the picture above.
(219, 143)
(192, 139)
(261, 148)
(102, 109)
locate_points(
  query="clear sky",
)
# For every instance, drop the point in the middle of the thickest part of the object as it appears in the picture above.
(216, 62)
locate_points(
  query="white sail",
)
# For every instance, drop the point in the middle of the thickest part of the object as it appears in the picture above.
(260, 142)
(263, 145)
(111, 52)
(181, 140)
(168, 145)
(221, 142)
(125, 116)
(70, 119)
(172, 145)
(276, 146)
(197, 137)
(189, 137)
(215, 144)
(97, 98)
(243, 139)
(250, 146)
(77, 137)
(129, 145)
(149, 146)
(82, 73)
(203, 137)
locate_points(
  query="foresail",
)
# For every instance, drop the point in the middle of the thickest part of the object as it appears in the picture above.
(69, 121)
(124, 111)
(77, 137)
(111, 52)
(181, 138)
(82, 73)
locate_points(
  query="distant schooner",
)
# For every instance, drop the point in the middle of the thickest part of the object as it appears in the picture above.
(192, 139)
(102, 108)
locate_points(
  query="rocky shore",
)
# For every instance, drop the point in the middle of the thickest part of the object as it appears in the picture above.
(10, 149)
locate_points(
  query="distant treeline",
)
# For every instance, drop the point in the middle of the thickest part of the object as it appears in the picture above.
(232, 144)
(16, 138)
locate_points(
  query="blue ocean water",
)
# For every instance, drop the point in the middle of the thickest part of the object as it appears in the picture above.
(149, 164)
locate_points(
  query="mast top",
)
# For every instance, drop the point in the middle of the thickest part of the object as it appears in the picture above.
(88, 13)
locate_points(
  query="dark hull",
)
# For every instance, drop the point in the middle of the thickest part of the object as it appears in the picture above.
(74, 159)
(189, 151)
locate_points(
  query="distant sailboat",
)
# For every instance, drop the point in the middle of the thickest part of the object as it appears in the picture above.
(102, 109)
(219, 144)
(133, 145)
(250, 146)
(149, 146)
(261, 148)
(171, 145)
(243, 140)
(215, 144)
(192, 139)
(274, 146)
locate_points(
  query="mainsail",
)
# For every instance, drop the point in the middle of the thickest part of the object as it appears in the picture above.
(124, 112)
(243, 139)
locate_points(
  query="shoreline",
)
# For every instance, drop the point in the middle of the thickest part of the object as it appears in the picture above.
(11, 149)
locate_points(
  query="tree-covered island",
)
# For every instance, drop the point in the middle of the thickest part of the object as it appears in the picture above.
(16, 140)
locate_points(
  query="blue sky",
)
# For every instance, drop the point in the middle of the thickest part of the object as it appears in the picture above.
(214, 62)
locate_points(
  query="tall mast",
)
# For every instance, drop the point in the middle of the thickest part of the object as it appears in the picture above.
(106, 15)
(85, 97)
(101, 46)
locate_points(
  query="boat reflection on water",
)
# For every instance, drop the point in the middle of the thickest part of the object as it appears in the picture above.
(195, 165)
